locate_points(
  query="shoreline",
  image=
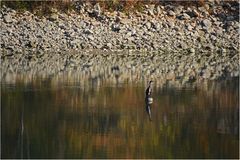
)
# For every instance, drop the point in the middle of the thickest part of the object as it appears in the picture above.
(170, 43)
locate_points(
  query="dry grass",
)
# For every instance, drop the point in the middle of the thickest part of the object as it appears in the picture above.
(41, 7)
(44, 7)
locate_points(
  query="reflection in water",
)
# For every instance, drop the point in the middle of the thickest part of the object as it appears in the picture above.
(23, 139)
(52, 119)
(148, 109)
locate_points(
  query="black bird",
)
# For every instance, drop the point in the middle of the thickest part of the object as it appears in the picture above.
(149, 99)
(148, 93)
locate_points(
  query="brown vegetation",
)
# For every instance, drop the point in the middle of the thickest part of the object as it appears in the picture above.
(111, 5)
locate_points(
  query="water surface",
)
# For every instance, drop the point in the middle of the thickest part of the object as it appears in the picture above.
(51, 119)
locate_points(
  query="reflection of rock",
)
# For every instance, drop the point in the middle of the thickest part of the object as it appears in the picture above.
(175, 68)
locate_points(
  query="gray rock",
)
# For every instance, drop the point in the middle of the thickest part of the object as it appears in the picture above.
(202, 9)
(32, 44)
(184, 16)
(183, 45)
(157, 26)
(177, 28)
(116, 27)
(130, 39)
(97, 10)
(192, 50)
(108, 45)
(193, 13)
(53, 17)
(158, 9)
(118, 19)
(90, 37)
(151, 10)
(206, 74)
(207, 23)
(189, 27)
(129, 34)
(178, 10)
(148, 25)
(170, 76)
(7, 18)
(88, 31)
(230, 18)
(171, 13)
(171, 24)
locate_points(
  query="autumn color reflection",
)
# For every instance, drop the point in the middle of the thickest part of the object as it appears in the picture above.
(70, 119)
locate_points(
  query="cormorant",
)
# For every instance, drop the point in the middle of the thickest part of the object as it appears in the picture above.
(149, 99)
(148, 93)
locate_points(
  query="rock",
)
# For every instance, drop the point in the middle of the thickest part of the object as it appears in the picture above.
(213, 37)
(171, 13)
(133, 32)
(90, 37)
(12, 48)
(53, 10)
(192, 50)
(88, 31)
(206, 6)
(170, 76)
(202, 9)
(97, 10)
(116, 28)
(230, 18)
(129, 34)
(176, 28)
(206, 74)
(125, 21)
(157, 26)
(183, 45)
(207, 23)
(53, 17)
(148, 25)
(32, 44)
(184, 16)
(151, 10)
(193, 13)
(108, 45)
(189, 27)
(171, 24)
(158, 9)
(118, 19)
(130, 39)
(7, 18)
(75, 42)
(223, 50)
(178, 9)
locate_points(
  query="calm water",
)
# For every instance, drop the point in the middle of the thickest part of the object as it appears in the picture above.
(49, 119)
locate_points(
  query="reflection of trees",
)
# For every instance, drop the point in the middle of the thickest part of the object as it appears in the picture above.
(70, 121)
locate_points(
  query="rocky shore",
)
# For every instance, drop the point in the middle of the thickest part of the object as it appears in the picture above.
(167, 43)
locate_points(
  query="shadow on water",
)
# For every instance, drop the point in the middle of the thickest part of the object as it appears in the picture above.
(68, 120)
